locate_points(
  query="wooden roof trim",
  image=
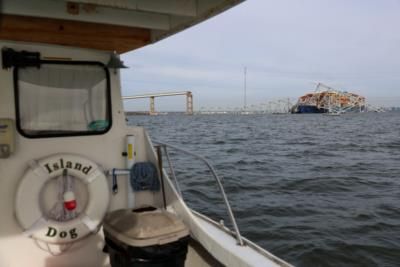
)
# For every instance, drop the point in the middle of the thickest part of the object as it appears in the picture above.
(73, 33)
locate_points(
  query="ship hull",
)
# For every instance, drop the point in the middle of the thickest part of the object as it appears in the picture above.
(309, 109)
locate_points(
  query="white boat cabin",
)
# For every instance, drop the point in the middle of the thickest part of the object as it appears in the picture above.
(72, 172)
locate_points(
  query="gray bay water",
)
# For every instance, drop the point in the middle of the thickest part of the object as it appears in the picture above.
(315, 190)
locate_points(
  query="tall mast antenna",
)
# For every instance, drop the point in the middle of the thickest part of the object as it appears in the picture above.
(245, 88)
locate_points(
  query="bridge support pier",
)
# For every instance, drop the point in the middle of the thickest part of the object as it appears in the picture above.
(152, 108)
(189, 103)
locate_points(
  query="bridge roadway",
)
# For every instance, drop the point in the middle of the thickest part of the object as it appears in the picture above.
(189, 100)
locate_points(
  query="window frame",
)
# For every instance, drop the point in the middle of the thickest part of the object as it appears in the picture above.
(70, 134)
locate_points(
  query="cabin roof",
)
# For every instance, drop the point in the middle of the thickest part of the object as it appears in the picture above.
(110, 25)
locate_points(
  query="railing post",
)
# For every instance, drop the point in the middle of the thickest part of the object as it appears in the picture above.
(160, 167)
(172, 171)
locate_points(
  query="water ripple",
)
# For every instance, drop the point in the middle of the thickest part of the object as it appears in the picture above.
(314, 190)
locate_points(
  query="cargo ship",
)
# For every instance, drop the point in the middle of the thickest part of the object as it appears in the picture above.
(325, 99)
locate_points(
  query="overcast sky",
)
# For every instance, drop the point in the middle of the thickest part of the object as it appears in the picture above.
(286, 47)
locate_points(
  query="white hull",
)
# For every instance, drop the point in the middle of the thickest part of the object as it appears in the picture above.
(106, 151)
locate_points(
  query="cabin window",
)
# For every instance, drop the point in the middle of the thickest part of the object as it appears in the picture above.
(62, 99)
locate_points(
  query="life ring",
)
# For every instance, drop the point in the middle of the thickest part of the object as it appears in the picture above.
(28, 210)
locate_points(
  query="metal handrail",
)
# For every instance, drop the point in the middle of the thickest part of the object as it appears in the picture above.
(178, 188)
(217, 179)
